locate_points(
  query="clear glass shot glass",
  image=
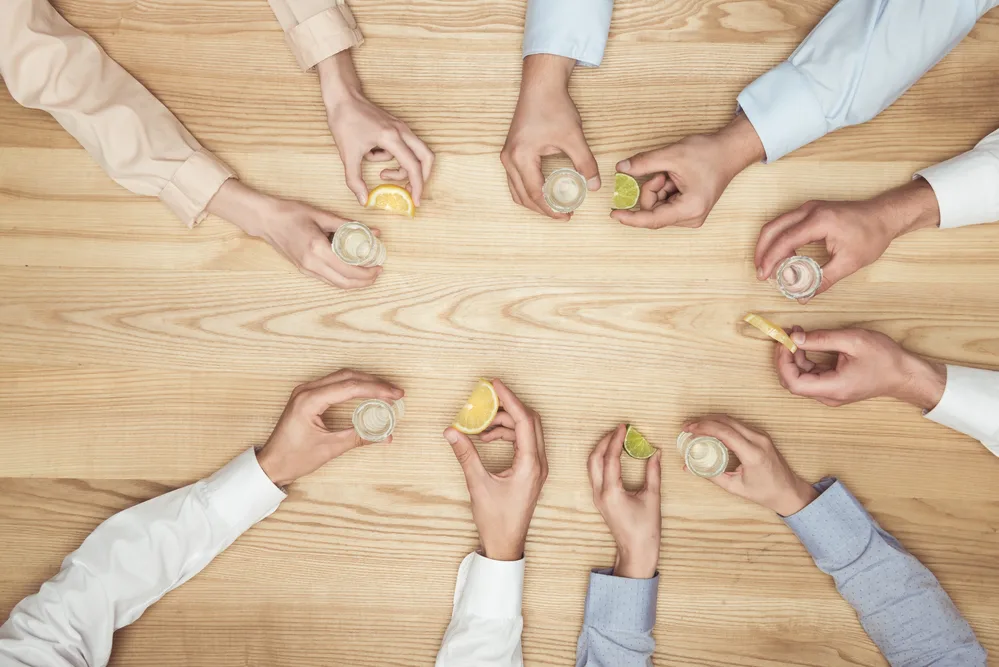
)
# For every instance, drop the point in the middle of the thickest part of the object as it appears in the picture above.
(799, 277)
(375, 420)
(565, 190)
(355, 244)
(704, 456)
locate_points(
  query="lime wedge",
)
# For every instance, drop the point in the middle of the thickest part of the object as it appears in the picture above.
(625, 191)
(636, 445)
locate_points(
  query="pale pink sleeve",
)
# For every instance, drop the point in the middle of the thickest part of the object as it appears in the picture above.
(316, 29)
(48, 64)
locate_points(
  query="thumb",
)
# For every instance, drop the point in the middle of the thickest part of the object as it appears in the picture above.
(834, 271)
(820, 340)
(327, 222)
(653, 473)
(584, 162)
(647, 163)
(465, 452)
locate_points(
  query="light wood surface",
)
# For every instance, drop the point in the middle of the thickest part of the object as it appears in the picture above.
(138, 356)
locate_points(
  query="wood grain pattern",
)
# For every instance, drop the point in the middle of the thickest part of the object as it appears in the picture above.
(138, 356)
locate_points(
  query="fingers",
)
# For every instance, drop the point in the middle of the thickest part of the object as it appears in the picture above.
(651, 192)
(398, 175)
(327, 221)
(526, 182)
(678, 211)
(422, 152)
(467, 455)
(643, 164)
(318, 399)
(354, 178)
(499, 433)
(526, 442)
(834, 271)
(847, 341)
(800, 359)
(539, 438)
(338, 376)
(612, 458)
(773, 229)
(653, 474)
(394, 142)
(595, 464)
(582, 159)
(787, 244)
(733, 439)
(343, 441)
(513, 191)
(341, 275)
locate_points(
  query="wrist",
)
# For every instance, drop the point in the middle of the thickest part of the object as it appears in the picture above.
(273, 468)
(923, 382)
(909, 207)
(544, 71)
(742, 146)
(795, 498)
(509, 551)
(338, 80)
(242, 206)
(636, 564)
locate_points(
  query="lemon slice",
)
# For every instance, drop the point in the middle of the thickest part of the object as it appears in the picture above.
(636, 445)
(394, 198)
(480, 409)
(772, 330)
(625, 191)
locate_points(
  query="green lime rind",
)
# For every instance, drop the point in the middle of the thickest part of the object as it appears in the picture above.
(636, 446)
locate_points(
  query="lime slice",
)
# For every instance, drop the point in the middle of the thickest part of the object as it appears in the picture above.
(772, 330)
(636, 445)
(479, 410)
(625, 191)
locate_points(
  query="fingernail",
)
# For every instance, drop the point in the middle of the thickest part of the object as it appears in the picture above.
(593, 184)
(759, 273)
(398, 392)
(624, 165)
(450, 436)
(798, 337)
(361, 199)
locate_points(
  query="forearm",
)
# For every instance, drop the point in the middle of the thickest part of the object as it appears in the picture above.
(338, 80)
(48, 64)
(130, 561)
(316, 29)
(898, 601)
(574, 29)
(486, 621)
(859, 59)
(618, 620)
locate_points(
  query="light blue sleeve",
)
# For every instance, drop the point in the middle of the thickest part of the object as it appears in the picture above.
(859, 59)
(618, 621)
(899, 602)
(575, 29)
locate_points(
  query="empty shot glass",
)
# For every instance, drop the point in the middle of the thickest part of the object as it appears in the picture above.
(565, 190)
(704, 456)
(799, 277)
(375, 420)
(355, 244)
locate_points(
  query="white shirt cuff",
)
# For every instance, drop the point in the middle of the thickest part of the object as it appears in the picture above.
(970, 404)
(241, 493)
(783, 110)
(576, 29)
(489, 588)
(967, 186)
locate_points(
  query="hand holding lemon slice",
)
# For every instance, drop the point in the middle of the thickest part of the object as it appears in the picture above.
(392, 198)
(772, 330)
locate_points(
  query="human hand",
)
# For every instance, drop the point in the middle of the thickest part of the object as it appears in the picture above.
(868, 364)
(503, 503)
(296, 230)
(688, 177)
(855, 233)
(545, 122)
(763, 475)
(301, 443)
(634, 517)
(365, 131)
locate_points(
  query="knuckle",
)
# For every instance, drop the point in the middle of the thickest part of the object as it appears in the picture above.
(390, 134)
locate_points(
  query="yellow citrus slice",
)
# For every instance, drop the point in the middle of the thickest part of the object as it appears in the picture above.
(480, 409)
(394, 198)
(625, 191)
(772, 330)
(636, 445)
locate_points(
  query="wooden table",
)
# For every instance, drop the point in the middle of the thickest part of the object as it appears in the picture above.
(138, 356)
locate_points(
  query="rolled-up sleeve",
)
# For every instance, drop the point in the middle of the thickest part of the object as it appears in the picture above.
(970, 404)
(967, 186)
(576, 29)
(50, 65)
(316, 29)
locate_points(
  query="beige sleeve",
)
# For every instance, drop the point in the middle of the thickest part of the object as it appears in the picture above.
(316, 29)
(48, 64)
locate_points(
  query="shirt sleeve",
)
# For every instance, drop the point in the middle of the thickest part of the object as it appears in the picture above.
(967, 186)
(899, 602)
(48, 64)
(576, 29)
(970, 404)
(618, 621)
(859, 59)
(486, 621)
(129, 562)
(316, 29)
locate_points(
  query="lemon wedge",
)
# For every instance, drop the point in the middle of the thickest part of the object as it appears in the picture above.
(625, 191)
(393, 198)
(635, 444)
(480, 409)
(772, 330)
